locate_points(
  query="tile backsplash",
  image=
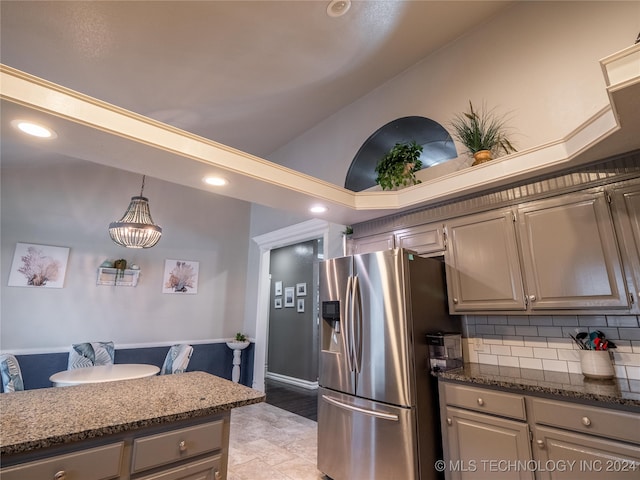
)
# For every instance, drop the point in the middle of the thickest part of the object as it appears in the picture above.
(543, 342)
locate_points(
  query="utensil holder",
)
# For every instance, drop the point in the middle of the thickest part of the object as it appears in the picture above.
(596, 364)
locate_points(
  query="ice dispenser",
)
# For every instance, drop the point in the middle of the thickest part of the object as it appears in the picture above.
(445, 351)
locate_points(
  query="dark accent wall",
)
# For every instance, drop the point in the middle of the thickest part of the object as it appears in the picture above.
(293, 335)
(213, 358)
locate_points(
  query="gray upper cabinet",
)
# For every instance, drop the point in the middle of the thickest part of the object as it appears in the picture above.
(570, 254)
(373, 243)
(626, 212)
(426, 240)
(483, 268)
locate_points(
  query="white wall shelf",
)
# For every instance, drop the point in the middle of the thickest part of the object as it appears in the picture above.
(121, 278)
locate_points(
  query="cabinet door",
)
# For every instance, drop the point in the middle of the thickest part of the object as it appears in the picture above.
(569, 455)
(374, 243)
(570, 254)
(626, 212)
(423, 239)
(483, 446)
(483, 267)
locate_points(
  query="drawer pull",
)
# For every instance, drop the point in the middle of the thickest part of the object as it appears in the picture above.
(182, 446)
(540, 444)
(217, 475)
(455, 301)
(449, 421)
(61, 475)
(480, 401)
(586, 421)
(532, 298)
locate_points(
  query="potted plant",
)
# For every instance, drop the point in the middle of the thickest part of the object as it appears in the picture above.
(483, 133)
(241, 337)
(399, 166)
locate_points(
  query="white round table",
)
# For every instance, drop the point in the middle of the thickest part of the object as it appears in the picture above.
(103, 373)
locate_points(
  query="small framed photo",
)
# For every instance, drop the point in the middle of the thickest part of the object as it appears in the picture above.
(277, 303)
(301, 289)
(288, 297)
(41, 266)
(278, 288)
(180, 276)
(301, 305)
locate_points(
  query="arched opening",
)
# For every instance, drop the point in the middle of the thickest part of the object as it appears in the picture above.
(437, 146)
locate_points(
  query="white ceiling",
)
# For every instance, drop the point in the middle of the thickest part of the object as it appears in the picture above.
(246, 77)
(248, 74)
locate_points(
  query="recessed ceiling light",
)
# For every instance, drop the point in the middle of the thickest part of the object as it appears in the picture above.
(33, 129)
(337, 8)
(318, 209)
(215, 181)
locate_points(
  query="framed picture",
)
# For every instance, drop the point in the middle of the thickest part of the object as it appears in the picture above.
(301, 305)
(180, 276)
(278, 290)
(277, 303)
(301, 289)
(38, 266)
(288, 297)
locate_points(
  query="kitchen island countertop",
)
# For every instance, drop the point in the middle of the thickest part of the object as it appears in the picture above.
(36, 419)
(569, 386)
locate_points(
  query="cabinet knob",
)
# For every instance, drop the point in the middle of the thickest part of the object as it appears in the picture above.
(532, 298)
(455, 300)
(586, 421)
(61, 475)
(449, 421)
(540, 444)
(480, 401)
(217, 475)
(182, 446)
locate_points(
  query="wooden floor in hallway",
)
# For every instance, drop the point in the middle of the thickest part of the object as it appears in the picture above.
(294, 399)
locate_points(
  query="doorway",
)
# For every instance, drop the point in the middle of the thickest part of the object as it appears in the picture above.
(331, 235)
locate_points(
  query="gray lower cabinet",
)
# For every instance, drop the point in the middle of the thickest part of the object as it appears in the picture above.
(100, 463)
(578, 441)
(483, 430)
(494, 434)
(194, 452)
(554, 255)
(479, 443)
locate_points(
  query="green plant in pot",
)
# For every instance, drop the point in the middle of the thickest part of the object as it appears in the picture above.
(399, 166)
(240, 337)
(483, 133)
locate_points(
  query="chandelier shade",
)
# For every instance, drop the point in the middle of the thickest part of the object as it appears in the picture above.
(136, 228)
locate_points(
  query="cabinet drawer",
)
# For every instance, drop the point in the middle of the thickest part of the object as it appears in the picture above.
(175, 445)
(99, 463)
(591, 420)
(485, 400)
(207, 469)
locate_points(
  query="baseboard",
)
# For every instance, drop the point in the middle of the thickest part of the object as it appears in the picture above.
(298, 382)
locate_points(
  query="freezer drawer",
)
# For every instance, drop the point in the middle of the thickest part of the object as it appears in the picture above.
(363, 440)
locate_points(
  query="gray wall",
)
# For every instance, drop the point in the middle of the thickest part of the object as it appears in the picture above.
(71, 205)
(293, 336)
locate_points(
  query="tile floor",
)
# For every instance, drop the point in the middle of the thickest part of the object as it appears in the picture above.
(268, 443)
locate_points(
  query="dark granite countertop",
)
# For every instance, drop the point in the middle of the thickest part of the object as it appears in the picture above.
(46, 417)
(566, 386)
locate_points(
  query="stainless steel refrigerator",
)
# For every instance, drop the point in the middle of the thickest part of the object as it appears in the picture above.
(377, 403)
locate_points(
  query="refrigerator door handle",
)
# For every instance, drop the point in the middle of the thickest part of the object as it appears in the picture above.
(348, 324)
(372, 413)
(357, 322)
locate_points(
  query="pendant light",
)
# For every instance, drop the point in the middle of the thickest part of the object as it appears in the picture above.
(136, 228)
